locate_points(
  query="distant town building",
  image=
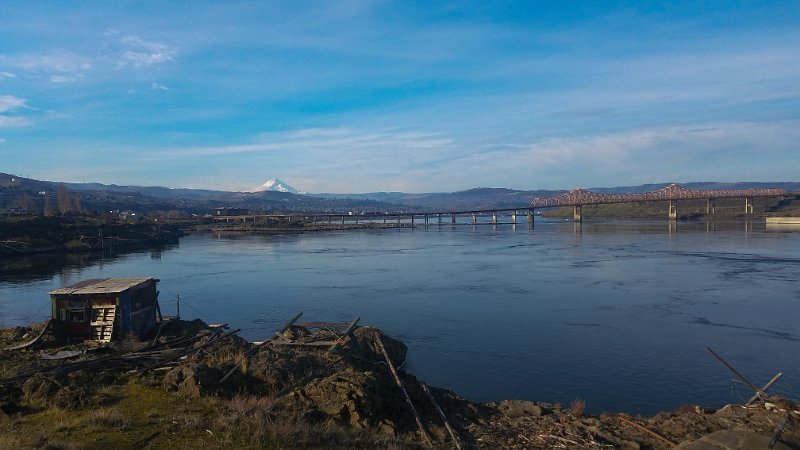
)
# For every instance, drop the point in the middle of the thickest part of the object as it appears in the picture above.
(16, 212)
(230, 211)
(129, 215)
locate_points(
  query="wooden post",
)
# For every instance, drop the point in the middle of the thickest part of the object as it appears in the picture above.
(764, 389)
(400, 385)
(740, 376)
(441, 413)
(345, 335)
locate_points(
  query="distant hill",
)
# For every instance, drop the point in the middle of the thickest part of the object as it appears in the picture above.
(36, 195)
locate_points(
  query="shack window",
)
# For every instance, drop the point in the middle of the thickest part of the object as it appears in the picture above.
(73, 314)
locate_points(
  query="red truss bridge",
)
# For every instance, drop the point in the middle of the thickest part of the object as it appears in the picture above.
(671, 193)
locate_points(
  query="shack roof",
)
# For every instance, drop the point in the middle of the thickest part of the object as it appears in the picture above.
(102, 286)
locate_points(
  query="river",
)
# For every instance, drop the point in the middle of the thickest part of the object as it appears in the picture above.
(617, 313)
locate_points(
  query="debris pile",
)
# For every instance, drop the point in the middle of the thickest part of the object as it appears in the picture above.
(347, 377)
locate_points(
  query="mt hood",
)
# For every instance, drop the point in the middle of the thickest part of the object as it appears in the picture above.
(276, 185)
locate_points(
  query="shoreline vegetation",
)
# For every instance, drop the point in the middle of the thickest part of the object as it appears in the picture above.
(20, 236)
(201, 386)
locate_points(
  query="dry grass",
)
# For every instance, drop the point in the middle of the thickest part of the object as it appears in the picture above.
(111, 418)
(577, 407)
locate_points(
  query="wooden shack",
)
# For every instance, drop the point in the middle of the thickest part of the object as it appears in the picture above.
(100, 309)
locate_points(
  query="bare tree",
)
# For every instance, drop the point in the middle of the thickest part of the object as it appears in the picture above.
(62, 199)
(25, 201)
(47, 210)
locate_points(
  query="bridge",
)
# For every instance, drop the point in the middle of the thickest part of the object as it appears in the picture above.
(577, 198)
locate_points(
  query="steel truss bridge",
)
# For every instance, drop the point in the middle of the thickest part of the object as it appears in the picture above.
(672, 193)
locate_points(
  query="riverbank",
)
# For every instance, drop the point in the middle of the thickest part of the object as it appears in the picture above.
(80, 234)
(280, 395)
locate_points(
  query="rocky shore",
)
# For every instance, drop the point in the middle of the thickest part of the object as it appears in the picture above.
(173, 392)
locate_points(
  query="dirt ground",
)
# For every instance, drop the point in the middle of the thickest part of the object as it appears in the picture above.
(170, 392)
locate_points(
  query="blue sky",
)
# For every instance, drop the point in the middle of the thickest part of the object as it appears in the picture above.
(408, 96)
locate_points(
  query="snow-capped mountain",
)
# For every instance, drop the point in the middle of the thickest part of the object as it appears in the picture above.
(275, 184)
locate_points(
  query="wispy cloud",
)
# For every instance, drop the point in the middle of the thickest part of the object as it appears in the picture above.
(64, 66)
(8, 104)
(138, 52)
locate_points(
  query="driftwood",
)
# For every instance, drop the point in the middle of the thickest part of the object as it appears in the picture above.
(183, 353)
(779, 429)
(759, 393)
(253, 351)
(403, 389)
(34, 341)
(763, 390)
(149, 357)
(346, 334)
(441, 413)
(648, 431)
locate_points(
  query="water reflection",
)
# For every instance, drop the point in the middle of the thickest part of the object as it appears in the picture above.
(30, 268)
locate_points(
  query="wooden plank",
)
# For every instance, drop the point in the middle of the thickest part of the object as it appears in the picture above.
(322, 324)
(307, 344)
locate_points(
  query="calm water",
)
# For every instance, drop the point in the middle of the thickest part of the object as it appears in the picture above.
(616, 313)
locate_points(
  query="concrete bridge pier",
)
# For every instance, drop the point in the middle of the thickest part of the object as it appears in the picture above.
(494, 218)
(748, 205)
(577, 213)
(711, 206)
(426, 220)
(474, 219)
(514, 217)
(342, 219)
(439, 218)
(412, 220)
(531, 212)
(673, 210)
